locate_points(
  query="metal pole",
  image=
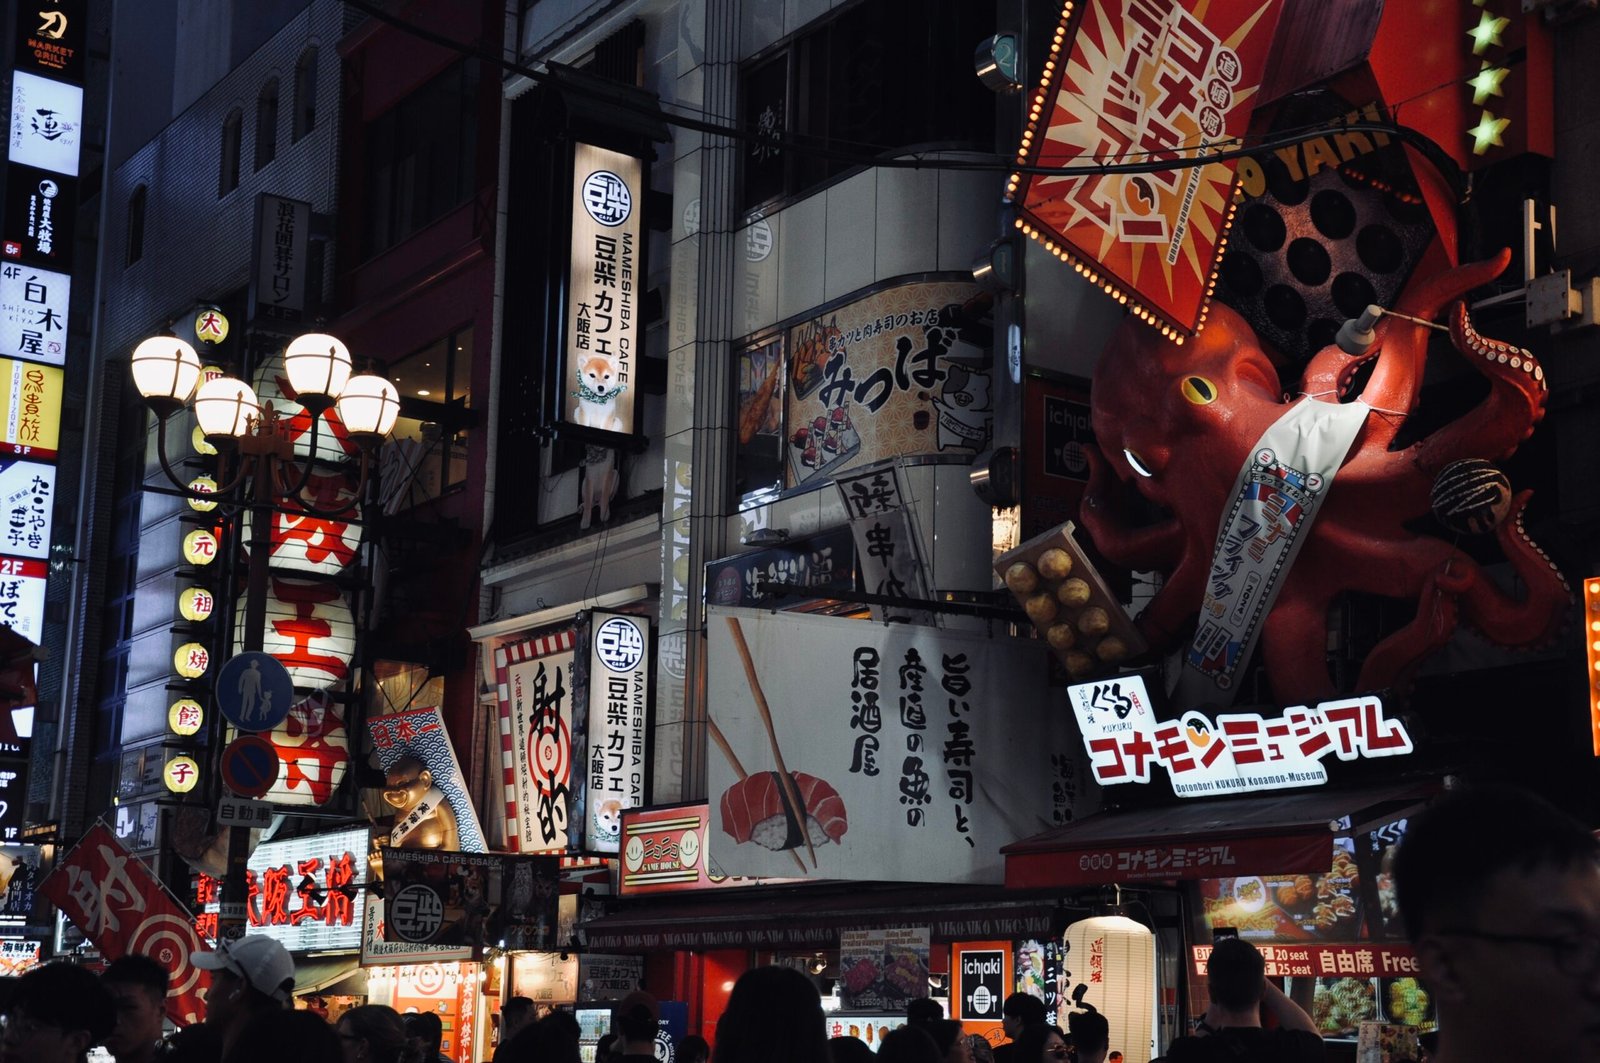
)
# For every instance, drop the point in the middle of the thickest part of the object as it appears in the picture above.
(235, 886)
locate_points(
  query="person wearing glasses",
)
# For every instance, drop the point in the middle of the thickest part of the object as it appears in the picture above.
(373, 1033)
(1042, 1043)
(55, 1014)
(1499, 892)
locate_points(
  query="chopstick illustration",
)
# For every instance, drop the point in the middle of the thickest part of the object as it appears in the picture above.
(791, 792)
(738, 769)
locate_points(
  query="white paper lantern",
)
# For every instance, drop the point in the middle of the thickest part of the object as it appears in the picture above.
(273, 387)
(309, 628)
(304, 542)
(1115, 959)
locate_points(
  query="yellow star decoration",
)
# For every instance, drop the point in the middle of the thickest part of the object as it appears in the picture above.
(1487, 132)
(1487, 32)
(1487, 83)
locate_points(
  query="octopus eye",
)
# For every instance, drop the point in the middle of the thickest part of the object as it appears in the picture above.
(1199, 390)
(1137, 465)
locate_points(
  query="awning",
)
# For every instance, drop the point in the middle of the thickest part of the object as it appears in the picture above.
(1263, 834)
(334, 975)
(793, 919)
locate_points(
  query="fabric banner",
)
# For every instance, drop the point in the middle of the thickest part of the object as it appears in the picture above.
(1275, 500)
(885, 531)
(534, 677)
(418, 737)
(884, 739)
(124, 909)
(471, 899)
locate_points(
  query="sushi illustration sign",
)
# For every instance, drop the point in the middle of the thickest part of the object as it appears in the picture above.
(873, 754)
(883, 969)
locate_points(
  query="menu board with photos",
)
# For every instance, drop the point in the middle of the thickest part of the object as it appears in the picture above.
(1289, 907)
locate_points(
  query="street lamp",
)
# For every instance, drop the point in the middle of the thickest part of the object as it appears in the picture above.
(252, 436)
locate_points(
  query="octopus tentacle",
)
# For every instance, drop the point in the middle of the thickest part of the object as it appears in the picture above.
(1537, 618)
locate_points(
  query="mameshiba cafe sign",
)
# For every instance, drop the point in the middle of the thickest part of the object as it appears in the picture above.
(1232, 753)
(597, 385)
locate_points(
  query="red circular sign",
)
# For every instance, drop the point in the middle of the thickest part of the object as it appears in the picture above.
(250, 766)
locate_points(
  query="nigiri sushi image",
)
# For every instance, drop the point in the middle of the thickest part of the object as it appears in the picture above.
(755, 809)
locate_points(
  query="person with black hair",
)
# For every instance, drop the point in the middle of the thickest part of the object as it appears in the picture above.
(1042, 1043)
(138, 988)
(909, 1044)
(516, 1015)
(637, 1019)
(846, 1049)
(1499, 892)
(923, 1009)
(1231, 1027)
(374, 1033)
(774, 1015)
(55, 1014)
(1091, 1036)
(948, 1039)
(426, 1029)
(284, 1034)
(1019, 1012)
(693, 1048)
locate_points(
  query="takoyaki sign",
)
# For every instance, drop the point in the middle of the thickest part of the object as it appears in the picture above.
(853, 750)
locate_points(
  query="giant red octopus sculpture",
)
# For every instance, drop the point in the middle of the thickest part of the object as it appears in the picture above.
(1175, 424)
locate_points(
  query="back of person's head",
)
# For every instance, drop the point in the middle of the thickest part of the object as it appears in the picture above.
(380, 1026)
(1030, 1046)
(1090, 1031)
(1236, 974)
(692, 1048)
(426, 1028)
(637, 1017)
(773, 1014)
(923, 1009)
(944, 1033)
(849, 1050)
(516, 1013)
(1029, 1010)
(136, 970)
(1444, 867)
(982, 1050)
(607, 1045)
(66, 997)
(908, 1044)
(200, 1043)
(282, 1034)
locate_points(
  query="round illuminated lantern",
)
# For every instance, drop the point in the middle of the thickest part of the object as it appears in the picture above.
(181, 774)
(200, 547)
(309, 628)
(196, 604)
(313, 748)
(208, 373)
(273, 388)
(304, 542)
(210, 325)
(203, 485)
(191, 660)
(185, 717)
(1125, 992)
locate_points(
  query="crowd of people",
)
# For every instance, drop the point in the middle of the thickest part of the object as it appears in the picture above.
(1507, 935)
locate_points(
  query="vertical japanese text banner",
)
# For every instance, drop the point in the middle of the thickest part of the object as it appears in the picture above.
(1145, 80)
(534, 678)
(598, 376)
(617, 687)
(901, 743)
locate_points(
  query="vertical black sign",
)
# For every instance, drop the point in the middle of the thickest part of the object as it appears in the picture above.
(51, 36)
(983, 984)
(40, 211)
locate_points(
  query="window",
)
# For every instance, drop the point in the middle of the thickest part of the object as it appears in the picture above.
(430, 439)
(882, 75)
(305, 93)
(136, 204)
(420, 158)
(230, 153)
(267, 124)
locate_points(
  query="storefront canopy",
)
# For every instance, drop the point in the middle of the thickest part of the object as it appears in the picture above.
(333, 975)
(1265, 833)
(804, 919)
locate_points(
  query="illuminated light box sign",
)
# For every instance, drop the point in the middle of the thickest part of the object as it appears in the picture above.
(619, 689)
(22, 583)
(1131, 80)
(39, 216)
(664, 851)
(50, 37)
(534, 680)
(30, 409)
(46, 123)
(27, 495)
(1236, 752)
(1327, 961)
(599, 379)
(33, 313)
(301, 921)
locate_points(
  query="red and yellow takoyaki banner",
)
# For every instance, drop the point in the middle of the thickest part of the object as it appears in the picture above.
(1141, 81)
(848, 749)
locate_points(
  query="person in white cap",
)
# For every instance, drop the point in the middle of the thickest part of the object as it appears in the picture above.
(250, 975)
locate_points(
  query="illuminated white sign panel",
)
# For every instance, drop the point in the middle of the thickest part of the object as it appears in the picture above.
(600, 379)
(619, 685)
(22, 595)
(46, 123)
(27, 498)
(320, 918)
(33, 313)
(1234, 753)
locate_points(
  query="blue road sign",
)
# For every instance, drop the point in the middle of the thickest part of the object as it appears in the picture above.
(249, 766)
(254, 691)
